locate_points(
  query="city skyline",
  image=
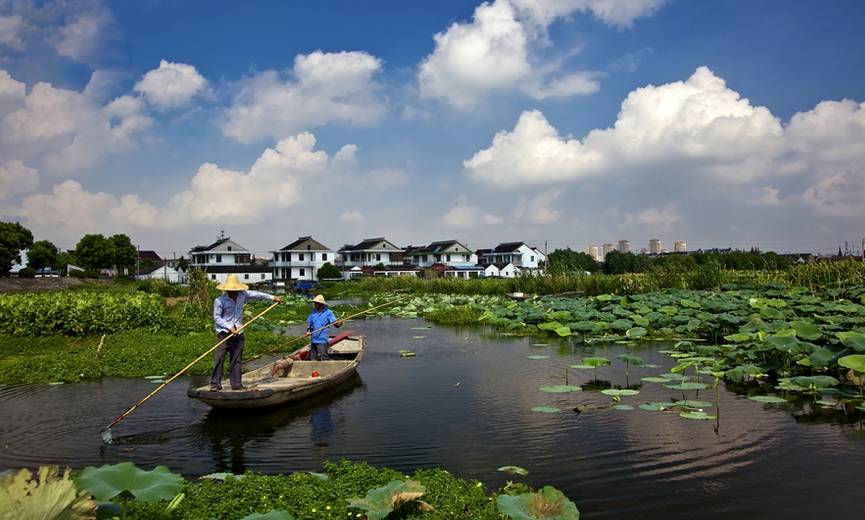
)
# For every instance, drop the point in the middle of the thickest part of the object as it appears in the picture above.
(534, 120)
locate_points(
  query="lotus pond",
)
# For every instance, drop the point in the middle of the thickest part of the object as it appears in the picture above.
(621, 426)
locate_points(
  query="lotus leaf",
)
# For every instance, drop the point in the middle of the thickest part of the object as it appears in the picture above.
(540, 344)
(108, 481)
(630, 359)
(639, 320)
(319, 476)
(406, 353)
(806, 330)
(852, 339)
(636, 332)
(514, 470)
(855, 362)
(560, 389)
(616, 392)
(741, 371)
(546, 504)
(538, 357)
(690, 304)
(623, 407)
(688, 385)
(582, 366)
(820, 358)
(655, 379)
(418, 337)
(703, 416)
(546, 409)
(563, 331)
(550, 325)
(656, 407)
(694, 404)
(49, 495)
(595, 362)
(382, 501)
(769, 399)
(273, 514)
(826, 403)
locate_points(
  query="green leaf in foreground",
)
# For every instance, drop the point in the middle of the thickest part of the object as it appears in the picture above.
(560, 389)
(49, 495)
(806, 330)
(547, 504)
(546, 409)
(656, 379)
(514, 470)
(273, 514)
(108, 481)
(856, 362)
(630, 359)
(636, 332)
(768, 399)
(852, 339)
(616, 392)
(595, 362)
(688, 385)
(382, 501)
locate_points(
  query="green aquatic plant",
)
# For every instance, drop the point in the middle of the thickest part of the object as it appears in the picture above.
(560, 389)
(546, 504)
(273, 514)
(593, 363)
(807, 384)
(46, 495)
(767, 399)
(701, 416)
(514, 470)
(382, 501)
(109, 481)
(629, 360)
(856, 364)
(618, 393)
(657, 406)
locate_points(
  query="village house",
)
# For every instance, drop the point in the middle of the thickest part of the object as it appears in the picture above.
(448, 252)
(161, 272)
(371, 252)
(526, 259)
(225, 257)
(301, 260)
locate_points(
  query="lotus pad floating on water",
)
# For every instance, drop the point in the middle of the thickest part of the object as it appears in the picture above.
(406, 353)
(688, 385)
(655, 379)
(615, 392)
(623, 407)
(582, 367)
(703, 416)
(768, 399)
(108, 481)
(546, 504)
(546, 409)
(560, 389)
(536, 358)
(514, 470)
(48, 494)
(656, 407)
(687, 403)
(418, 337)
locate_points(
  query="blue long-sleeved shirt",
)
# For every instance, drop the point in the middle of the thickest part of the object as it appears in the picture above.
(228, 313)
(318, 320)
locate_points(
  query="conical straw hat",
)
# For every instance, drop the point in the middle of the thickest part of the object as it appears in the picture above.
(232, 284)
(319, 298)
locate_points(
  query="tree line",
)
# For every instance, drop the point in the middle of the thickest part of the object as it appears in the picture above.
(567, 261)
(92, 252)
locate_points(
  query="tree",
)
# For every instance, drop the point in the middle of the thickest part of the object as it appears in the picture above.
(182, 264)
(64, 259)
(42, 254)
(328, 270)
(95, 252)
(13, 238)
(563, 261)
(125, 254)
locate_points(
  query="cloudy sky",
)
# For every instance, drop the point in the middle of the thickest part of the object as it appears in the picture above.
(722, 123)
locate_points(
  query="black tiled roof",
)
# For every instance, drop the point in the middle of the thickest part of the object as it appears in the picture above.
(306, 243)
(507, 247)
(198, 249)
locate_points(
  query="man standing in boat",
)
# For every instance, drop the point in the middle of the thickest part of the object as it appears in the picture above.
(227, 319)
(316, 327)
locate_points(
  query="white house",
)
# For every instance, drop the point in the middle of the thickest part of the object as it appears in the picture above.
(225, 257)
(508, 271)
(371, 252)
(301, 259)
(518, 253)
(491, 271)
(161, 272)
(448, 252)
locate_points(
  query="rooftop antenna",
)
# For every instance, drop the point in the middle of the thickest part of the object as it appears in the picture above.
(221, 233)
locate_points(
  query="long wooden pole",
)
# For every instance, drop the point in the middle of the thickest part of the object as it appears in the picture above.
(391, 302)
(187, 367)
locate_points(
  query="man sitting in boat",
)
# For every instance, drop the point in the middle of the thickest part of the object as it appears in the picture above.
(227, 319)
(316, 326)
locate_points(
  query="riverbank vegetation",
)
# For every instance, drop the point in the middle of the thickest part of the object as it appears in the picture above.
(343, 490)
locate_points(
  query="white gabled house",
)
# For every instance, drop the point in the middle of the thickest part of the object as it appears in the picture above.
(491, 271)
(225, 257)
(519, 254)
(301, 259)
(508, 271)
(371, 252)
(161, 272)
(447, 252)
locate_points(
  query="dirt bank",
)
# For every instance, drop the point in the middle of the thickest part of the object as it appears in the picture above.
(44, 284)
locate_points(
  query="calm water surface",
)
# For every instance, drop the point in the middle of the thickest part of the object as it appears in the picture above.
(463, 403)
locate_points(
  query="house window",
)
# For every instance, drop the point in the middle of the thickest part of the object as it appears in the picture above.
(378, 256)
(300, 256)
(213, 277)
(218, 259)
(324, 257)
(449, 258)
(532, 258)
(229, 248)
(302, 272)
(246, 276)
(262, 276)
(312, 256)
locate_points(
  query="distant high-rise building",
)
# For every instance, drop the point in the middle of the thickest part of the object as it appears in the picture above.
(680, 246)
(592, 251)
(606, 248)
(624, 246)
(655, 246)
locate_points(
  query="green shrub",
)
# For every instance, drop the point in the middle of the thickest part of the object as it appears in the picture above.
(27, 272)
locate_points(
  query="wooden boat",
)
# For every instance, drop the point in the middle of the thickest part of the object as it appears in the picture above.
(290, 378)
(519, 296)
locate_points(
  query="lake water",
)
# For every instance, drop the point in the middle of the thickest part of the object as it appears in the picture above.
(463, 403)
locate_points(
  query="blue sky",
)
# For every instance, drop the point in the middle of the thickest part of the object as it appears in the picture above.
(576, 122)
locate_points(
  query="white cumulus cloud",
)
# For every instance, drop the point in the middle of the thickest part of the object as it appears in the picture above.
(620, 13)
(324, 88)
(10, 29)
(538, 209)
(351, 217)
(467, 216)
(17, 179)
(656, 219)
(171, 84)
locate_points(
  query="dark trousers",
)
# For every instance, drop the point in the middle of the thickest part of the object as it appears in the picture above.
(234, 347)
(318, 352)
